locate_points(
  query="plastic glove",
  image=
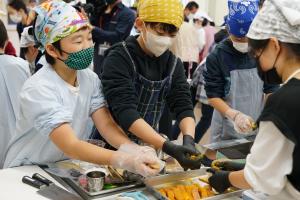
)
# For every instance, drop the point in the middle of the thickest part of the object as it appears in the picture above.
(135, 149)
(227, 165)
(135, 163)
(242, 123)
(219, 180)
(182, 155)
(188, 141)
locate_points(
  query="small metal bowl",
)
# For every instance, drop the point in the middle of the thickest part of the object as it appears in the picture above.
(95, 180)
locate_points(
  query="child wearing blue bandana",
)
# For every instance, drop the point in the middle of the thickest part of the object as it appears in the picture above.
(232, 85)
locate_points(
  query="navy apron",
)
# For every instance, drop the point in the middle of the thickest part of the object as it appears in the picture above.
(151, 95)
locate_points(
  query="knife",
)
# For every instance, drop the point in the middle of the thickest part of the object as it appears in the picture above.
(48, 189)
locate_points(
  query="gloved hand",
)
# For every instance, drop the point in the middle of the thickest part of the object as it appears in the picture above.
(135, 149)
(219, 180)
(227, 165)
(135, 163)
(188, 141)
(242, 123)
(182, 155)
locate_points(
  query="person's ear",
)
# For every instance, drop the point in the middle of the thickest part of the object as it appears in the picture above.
(274, 44)
(139, 24)
(52, 51)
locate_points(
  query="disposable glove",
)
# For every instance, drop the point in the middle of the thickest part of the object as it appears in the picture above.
(219, 180)
(242, 123)
(138, 150)
(227, 165)
(182, 154)
(135, 163)
(188, 141)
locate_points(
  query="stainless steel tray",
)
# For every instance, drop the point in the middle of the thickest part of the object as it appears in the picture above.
(91, 195)
(156, 182)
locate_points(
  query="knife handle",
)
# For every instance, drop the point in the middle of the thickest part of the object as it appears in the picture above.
(32, 182)
(42, 179)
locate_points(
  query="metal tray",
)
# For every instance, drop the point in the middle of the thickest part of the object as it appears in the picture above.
(159, 181)
(85, 194)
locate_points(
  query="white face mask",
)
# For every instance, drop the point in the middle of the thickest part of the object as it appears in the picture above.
(191, 16)
(157, 44)
(241, 46)
(16, 18)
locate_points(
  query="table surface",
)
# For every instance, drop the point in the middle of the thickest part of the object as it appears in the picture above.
(12, 187)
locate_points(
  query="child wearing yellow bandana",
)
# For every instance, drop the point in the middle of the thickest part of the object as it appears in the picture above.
(141, 77)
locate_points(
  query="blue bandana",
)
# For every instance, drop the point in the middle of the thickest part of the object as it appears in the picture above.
(241, 15)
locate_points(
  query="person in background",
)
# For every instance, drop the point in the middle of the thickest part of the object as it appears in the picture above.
(13, 73)
(57, 102)
(200, 22)
(273, 166)
(29, 47)
(232, 84)
(210, 32)
(110, 28)
(189, 11)
(10, 49)
(187, 46)
(141, 76)
(18, 14)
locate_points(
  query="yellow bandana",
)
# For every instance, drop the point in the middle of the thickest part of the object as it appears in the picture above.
(163, 11)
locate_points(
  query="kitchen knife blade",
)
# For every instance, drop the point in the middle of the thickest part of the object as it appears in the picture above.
(48, 189)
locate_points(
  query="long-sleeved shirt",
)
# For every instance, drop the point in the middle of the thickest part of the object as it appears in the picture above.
(267, 172)
(118, 82)
(13, 73)
(221, 61)
(114, 27)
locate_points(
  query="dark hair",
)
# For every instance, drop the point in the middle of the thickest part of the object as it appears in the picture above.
(168, 28)
(255, 45)
(261, 3)
(204, 22)
(212, 23)
(191, 5)
(3, 35)
(49, 58)
(23, 50)
(221, 35)
(18, 5)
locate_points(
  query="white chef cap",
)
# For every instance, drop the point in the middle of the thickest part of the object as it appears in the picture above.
(279, 19)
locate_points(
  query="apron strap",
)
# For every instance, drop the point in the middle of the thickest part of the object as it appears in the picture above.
(126, 50)
(173, 69)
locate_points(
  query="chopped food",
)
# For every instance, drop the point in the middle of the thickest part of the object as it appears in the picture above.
(254, 126)
(154, 166)
(186, 192)
(197, 157)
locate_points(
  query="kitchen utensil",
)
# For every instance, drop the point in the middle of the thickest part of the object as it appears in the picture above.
(95, 180)
(48, 189)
